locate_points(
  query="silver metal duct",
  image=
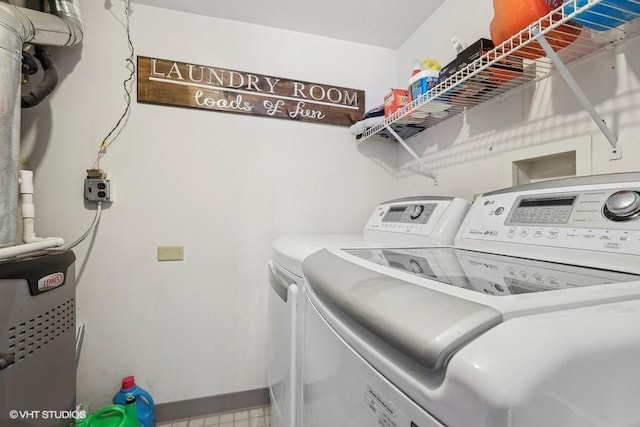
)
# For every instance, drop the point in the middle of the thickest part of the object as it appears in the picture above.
(62, 27)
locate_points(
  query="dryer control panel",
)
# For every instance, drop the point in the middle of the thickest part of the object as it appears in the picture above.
(596, 213)
(422, 216)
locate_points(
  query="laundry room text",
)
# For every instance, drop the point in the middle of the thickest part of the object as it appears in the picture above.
(181, 84)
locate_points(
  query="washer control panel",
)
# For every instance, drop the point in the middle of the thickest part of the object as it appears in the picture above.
(593, 214)
(542, 210)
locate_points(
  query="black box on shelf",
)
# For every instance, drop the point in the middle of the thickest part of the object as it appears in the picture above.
(472, 53)
(486, 81)
(449, 70)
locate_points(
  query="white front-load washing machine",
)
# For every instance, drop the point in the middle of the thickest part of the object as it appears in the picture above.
(530, 320)
(414, 221)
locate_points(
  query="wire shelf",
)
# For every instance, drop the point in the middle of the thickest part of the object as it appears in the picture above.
(575, 30)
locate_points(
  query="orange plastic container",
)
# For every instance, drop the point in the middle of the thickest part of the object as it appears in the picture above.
(511, 16)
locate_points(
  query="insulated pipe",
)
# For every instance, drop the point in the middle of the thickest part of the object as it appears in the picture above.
(63, 27)
(46, 243)
(46, 85)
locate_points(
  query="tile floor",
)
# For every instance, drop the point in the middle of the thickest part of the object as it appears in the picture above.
(251, 417)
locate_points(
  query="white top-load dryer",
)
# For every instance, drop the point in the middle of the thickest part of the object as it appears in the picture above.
(532, 319)
(406, 222)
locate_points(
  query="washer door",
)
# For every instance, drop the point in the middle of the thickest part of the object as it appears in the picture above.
(283, 343)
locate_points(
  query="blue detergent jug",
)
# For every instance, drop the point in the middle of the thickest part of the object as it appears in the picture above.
(144, 402)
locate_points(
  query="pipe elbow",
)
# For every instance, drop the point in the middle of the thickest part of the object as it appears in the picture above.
(17, 23)
(62, 27)
(31, 237)
(76, 30)
(69, 12)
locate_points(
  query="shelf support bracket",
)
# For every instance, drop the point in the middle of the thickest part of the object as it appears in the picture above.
(413, 153)
(615, 152)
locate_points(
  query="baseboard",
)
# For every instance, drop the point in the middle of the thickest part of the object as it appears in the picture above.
(211, 404)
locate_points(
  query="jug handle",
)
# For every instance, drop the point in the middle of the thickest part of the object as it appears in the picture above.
(107, 410)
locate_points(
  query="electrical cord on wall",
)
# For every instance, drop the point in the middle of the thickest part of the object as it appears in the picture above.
(128, 85)
(95, 173)
(94, 224)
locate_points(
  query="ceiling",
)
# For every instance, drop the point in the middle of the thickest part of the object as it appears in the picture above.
(381, 23)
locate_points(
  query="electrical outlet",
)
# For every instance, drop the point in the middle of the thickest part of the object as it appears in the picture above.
(97, 190)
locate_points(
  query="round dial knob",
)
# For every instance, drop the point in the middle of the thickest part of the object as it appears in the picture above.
(416, 211)
(622, 206)
(414, 267)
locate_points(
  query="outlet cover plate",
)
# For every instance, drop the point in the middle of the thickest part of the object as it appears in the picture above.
(170, 253)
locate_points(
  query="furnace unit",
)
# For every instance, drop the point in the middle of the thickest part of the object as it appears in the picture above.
(37, 339)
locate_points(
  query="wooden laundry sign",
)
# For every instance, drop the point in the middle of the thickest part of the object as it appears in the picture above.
(167, 82)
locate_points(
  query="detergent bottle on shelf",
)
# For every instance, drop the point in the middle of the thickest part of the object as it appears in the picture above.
(605, 15)
(512, 16)
(431, 69)
(144, 406)
(416, 70)
(423, 78)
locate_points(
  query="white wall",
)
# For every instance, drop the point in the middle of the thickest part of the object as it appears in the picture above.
(222, 185)
(467, 153)
(466, 20)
